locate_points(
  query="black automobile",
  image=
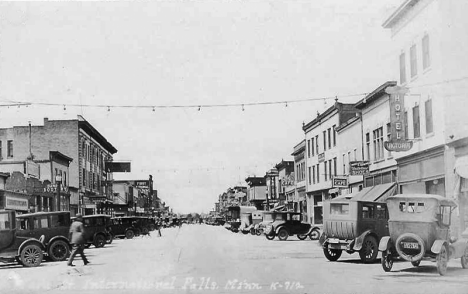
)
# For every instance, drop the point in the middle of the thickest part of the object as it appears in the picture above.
(53, 226)
(96, 232)
(287, 224)
(122, 227)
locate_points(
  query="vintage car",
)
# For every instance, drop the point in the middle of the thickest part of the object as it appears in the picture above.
(96, 232)
(355, 223)
(257, 218)
(286, 224)
(54, 226)
(246, 218)
(419, 226)
(233, 217)
(13, 248)
(121, 227)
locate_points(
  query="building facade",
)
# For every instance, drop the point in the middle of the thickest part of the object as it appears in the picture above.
(299, 200)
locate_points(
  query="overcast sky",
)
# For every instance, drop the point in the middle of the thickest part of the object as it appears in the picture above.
(191, 53)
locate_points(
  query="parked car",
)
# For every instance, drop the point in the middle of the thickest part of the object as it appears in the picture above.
(122, 227)
(13, 248)
(267, 218)
(54, 226)
(287, 224)
(355, 223)
(96, 232)
(419, 226)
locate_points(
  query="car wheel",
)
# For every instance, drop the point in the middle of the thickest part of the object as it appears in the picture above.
(314, 235)
(464, 259)
(99, 241)
(387, 260)
(129, 234)
(270, 237)
(442, 259)
(416, 263)
(369, 250)
(331, 254)
(31, 255)
(145, 231)
(110, 238)
(301, 237)
(59, 250)
(283, 234)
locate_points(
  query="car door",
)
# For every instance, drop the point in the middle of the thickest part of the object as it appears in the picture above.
(7, 229)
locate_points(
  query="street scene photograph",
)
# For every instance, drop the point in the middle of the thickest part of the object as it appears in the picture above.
(234, 146)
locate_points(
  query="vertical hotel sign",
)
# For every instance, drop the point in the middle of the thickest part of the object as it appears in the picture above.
(398, 138)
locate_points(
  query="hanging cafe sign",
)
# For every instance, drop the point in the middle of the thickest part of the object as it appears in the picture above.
(398, 138)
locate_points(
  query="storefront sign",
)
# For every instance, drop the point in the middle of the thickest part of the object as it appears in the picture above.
(16, 203)
(357, 168)
(52, 188)
(32, 169)
(321, 157)
(142, 184)
(398, 137)
(340, 182)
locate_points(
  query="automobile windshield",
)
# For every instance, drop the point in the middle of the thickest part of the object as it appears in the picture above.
(339, 208)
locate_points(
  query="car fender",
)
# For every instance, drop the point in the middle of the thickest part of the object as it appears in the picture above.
(385, 243)
(437, 246)
(360, 240)
(57, 238)
(31, 241)
(278, 228)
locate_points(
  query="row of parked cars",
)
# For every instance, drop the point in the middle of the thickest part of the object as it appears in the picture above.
(29, 238)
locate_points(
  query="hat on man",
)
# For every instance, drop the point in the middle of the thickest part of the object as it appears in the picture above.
(79, 216)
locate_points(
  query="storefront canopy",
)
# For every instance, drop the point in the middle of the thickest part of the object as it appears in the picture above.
(376, 193)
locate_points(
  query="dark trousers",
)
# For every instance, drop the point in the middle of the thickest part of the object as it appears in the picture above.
(77, 248)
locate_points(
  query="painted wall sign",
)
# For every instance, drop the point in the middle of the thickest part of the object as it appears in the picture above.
(321, 157)
(358, 168)
(398, 137)
(340, 182)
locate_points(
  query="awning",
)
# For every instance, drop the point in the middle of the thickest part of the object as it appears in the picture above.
(461, 166)
(374, 193)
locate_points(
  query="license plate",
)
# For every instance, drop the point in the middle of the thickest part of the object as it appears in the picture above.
(410, 245)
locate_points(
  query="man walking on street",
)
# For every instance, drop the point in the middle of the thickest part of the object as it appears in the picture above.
(76, 237)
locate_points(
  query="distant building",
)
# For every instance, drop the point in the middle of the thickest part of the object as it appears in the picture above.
(299, 199)
(256, 191)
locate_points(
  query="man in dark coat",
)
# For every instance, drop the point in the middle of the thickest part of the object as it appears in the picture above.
(76, 237)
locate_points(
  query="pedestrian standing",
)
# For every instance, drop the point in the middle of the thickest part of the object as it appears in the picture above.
(76, 237)
(159, 228)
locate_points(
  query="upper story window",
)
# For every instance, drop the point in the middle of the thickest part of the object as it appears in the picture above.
(1, 151)
(402, 68)
(316, 144)
(308, 148)
(329, 139)
(416, 123)
(389, 137)
(426, 52)
(334, 136)
(344, 164)
(324, 140)
(378, 144)
(368, 146)
(312, 144)
(10, 148)
(429, 123)
(313, 174)
(414, 61)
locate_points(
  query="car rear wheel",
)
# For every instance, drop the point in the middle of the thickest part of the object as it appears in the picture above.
(387, 260)
(331, 254)
(31, 255)
(129, 234)
(59, 250)
(369, 250)
(301, 237)
(314, 235)
(99, 241)
(283, 234)
(464, 259)
(442, 259)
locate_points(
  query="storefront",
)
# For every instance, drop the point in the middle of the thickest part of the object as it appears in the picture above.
(423, 172)
(459, 155)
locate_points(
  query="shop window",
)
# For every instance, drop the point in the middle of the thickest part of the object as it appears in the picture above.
(378, 144)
